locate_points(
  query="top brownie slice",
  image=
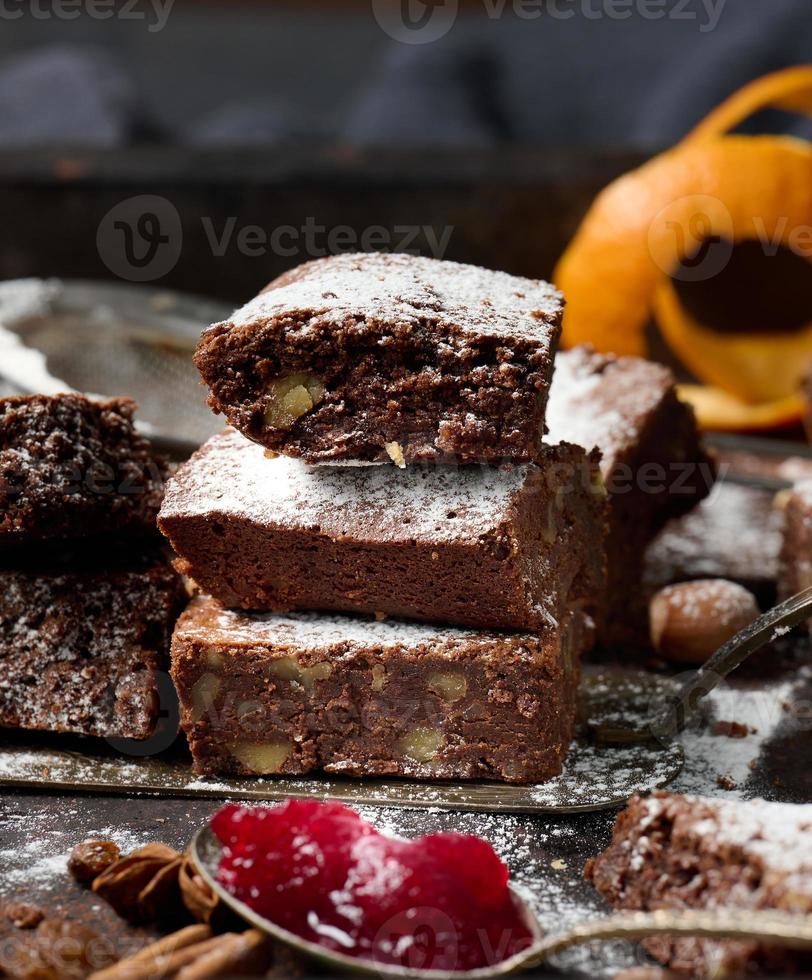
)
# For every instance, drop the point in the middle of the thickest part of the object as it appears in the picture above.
(71, 467)
(375, 357)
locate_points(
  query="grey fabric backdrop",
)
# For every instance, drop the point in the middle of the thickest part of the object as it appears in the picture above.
(624, 74)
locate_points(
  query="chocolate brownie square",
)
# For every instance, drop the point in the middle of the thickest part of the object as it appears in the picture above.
(70, 467)
(263, 694)
(676, 852)
(82, 642)
(508, 548)
(795, 561)
(653, 464)
(388, 357)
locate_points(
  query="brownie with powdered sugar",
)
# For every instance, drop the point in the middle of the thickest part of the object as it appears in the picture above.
(794, 509)
(84, 637)
(509, 548)
(652, 460)
(264, 694)
(393, 358)
(71, 466)
(675, 852)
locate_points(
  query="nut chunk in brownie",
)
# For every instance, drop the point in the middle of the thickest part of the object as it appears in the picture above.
(388, 357)
(263, 694)
(81, 645)
(653, 463)
(671, 851)
(476, 546)
(71, 466)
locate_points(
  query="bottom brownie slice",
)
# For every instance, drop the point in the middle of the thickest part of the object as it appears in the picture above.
(673, 852)
(263, 694)
(80, 647)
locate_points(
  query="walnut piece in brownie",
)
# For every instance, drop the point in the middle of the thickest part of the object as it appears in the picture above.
(671, 851)
(509, 548)
(388, 357)
(81, 643)
(71, 466)
(795, 561)
(653, 463)
(265, 694)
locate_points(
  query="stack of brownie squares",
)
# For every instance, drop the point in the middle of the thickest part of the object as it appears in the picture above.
(88, 599)
(397, 576)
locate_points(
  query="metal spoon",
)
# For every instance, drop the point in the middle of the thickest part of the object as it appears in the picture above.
(777, 929)
(675, 716)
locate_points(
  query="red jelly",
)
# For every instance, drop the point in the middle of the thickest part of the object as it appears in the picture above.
(320, 871)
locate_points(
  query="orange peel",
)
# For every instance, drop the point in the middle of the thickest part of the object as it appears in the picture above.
(645, 225)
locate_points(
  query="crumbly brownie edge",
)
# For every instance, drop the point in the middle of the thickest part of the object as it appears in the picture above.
(671, 851)
(71, 466)
(80, 652)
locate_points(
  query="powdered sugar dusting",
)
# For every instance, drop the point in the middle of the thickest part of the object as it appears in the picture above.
(598, 400)
(232, 476)
(328, 633)
(402, 290)
(777, 834)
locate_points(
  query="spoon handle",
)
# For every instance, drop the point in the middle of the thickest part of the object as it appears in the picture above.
(729, 656)
(774, 928)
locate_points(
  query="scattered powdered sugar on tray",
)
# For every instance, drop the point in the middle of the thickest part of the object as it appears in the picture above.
(40, 864)
(397, 290)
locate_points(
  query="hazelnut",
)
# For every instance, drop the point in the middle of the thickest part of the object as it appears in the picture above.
(88, 859)
(692, 620)
(290, 398)
(263, 758)
(395, 452)
(204, 693)
(378, 677)
(422, 744)
(289, 669)
(449, 687)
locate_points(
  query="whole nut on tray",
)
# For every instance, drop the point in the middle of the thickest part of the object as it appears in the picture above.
(690, 621)
(88, 859)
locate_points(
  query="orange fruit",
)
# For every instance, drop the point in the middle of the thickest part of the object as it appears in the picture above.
(643, 227)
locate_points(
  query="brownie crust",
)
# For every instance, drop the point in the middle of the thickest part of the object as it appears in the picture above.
(72, 467)
(472, 546)
(673, 852)
(388, 358)
(265, 694)
(81, 644)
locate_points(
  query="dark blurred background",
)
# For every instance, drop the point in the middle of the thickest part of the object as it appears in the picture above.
(497, 120)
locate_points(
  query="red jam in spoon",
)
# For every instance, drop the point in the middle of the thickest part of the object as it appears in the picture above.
(318, 870)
